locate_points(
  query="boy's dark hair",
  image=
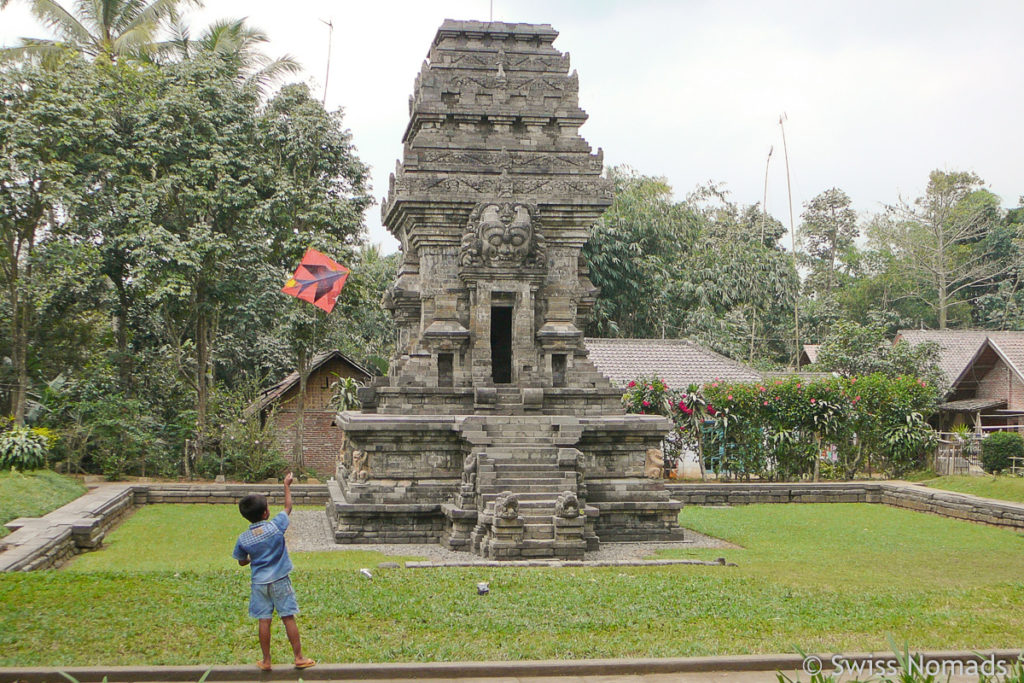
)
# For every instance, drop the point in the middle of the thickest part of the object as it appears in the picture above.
(253, 506)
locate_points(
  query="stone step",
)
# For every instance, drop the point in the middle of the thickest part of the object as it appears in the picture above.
(523, 489)
(540, 479)
(538, 531)
(524, 497)
(512, 462)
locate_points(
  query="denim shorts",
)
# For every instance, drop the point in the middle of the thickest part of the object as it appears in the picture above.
(267, 597)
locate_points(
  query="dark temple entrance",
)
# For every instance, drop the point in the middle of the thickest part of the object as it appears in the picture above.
(501, 344)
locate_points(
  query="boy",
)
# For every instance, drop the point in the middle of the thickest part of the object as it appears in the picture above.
(262, 546)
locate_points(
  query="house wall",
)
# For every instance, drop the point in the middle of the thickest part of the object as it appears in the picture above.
(322, 440)
(1002, 382)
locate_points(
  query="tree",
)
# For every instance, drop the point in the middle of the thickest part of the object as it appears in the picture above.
(941, 239)
(45, 122)
(827, 234)
(112, 28)
(633, 254)
(239, 42)
(854, 350)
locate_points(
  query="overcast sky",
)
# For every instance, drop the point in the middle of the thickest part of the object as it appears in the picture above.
(877, 94)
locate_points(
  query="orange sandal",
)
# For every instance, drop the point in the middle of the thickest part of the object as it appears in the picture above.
(264, 667)
(305, 664)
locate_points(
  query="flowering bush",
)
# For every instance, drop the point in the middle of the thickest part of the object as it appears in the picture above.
(778, 428)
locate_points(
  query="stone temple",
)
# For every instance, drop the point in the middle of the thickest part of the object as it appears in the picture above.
(492, 432)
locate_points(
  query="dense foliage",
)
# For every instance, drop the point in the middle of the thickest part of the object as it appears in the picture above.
(715, 271)
(998, 451)
(789, 428)
(150, 210)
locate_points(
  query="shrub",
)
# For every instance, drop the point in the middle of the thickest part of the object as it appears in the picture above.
(23, 448)
(998, 449)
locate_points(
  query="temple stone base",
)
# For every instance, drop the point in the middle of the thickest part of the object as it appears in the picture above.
(501, 486)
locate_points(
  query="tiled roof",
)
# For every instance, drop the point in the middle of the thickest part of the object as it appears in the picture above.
(957, 347)
(271, 394)
(811, 351)
(676, 361)
(1011, 347)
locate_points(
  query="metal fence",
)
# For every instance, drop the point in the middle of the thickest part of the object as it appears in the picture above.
(961, 454)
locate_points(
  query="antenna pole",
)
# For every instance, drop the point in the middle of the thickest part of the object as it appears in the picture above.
(764, 201)
(792, 235)
(330, 44)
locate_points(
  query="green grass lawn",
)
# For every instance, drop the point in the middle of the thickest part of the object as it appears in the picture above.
(822, 577)
(32, 494)
(1003, 487)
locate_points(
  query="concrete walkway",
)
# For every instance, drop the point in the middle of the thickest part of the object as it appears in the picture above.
(737, 669)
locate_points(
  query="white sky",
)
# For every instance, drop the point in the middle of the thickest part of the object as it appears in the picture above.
(877, 93)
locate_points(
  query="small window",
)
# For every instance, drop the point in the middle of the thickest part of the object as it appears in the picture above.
(445, 376)
(558, 364)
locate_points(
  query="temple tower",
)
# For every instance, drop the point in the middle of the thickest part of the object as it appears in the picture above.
(491, 419)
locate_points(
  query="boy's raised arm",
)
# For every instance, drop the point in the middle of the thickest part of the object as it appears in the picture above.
(288, 478)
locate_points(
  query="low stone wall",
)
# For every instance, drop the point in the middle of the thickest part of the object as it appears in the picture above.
(958, 505)
(897, 494)
(49, 541)
(302, 494)
(794, 492)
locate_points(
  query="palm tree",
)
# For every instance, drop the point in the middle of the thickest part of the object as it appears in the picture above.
(113, 28)
(235, 40)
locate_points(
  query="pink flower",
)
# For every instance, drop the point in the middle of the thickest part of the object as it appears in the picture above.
(766, 402)
(853, 380)
(631, 384)
(923, 384)
(714, 384)
(647, 404)
(813, 401)
(711, 409)
(856, 399)
(798, 385)
(729, 397)
(762, 389)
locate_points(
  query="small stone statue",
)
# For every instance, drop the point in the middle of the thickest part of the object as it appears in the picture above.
(469, 469)
(655, 464)
(506, 505)
(360, 466)
(567, 506)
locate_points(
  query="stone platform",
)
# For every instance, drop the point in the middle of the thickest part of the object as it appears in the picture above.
(502, 486)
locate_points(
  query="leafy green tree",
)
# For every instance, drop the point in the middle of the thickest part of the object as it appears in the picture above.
(111, 28)
(854, 349)
(45, 121)
(827, 235)
(942, 240)
(239, 42)
(634, 253)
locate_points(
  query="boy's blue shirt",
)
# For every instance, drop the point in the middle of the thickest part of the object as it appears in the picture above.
(263, 543)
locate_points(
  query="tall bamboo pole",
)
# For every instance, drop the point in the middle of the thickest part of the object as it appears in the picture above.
(792, 235)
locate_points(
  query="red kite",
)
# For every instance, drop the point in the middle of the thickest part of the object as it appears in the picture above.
(317, 280)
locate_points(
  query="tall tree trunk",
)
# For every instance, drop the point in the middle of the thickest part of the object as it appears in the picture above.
(124, 369)
(19, 355)
(300, 411)
(202, 381)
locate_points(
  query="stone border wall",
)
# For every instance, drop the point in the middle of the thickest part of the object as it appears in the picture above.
(897, 494)
(302, 494)
(50, 541)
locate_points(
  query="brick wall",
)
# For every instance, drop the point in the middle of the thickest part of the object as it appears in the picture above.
(321, 439)
(1002, 382)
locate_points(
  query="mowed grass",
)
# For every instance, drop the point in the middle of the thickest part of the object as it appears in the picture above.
(33, 494)
(197, 538)
(1003, 487)
(823, 577)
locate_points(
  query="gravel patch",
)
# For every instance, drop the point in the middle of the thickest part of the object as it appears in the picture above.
(310, 531)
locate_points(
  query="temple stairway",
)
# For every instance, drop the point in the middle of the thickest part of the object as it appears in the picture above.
(524, 486)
